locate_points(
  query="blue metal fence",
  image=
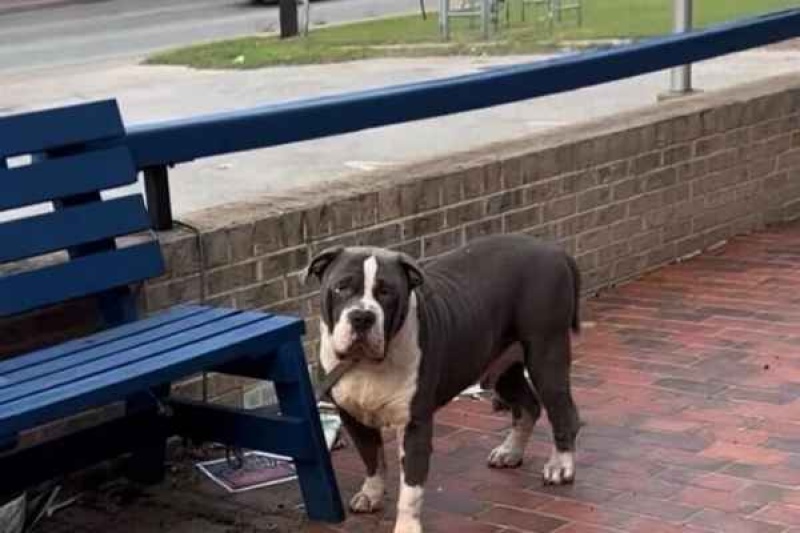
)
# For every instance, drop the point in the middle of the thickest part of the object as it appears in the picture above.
(159, 145)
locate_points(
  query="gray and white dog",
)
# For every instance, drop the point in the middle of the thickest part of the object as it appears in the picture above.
(420, 337)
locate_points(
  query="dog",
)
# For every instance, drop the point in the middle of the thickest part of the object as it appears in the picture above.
(419, 336)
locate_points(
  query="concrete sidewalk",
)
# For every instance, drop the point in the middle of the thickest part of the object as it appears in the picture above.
(688, 380)
(155, 93)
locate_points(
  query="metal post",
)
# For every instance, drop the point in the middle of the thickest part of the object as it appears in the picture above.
(486, 6)
(287, 14)
(306, 17)
(444, 19)
(159, 205)
(681, 76)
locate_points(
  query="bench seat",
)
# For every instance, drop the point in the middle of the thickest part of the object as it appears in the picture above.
(135, 363)
(50, 384)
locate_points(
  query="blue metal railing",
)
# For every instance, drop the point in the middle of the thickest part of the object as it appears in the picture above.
(158, 145)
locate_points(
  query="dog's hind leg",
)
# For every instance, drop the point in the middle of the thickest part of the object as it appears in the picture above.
(369, 443)
(548, 362)
(514, 390)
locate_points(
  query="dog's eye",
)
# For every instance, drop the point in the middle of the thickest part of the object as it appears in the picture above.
(383, 291)
(342, 289)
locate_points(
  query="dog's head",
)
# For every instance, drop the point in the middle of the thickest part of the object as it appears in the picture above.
(365, 297)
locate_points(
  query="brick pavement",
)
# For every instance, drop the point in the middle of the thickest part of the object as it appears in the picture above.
(689, 382)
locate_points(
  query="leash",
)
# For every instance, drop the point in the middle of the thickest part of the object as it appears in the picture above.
(333, 377)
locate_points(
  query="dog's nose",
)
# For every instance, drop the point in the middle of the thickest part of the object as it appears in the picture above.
(361, 319)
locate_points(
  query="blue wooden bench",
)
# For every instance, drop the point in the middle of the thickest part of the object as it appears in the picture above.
(77, 152)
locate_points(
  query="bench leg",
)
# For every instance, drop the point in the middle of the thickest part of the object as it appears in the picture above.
(147, 462)
(316, 476)
(146, 465)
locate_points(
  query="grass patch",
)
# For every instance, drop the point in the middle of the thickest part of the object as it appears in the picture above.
(410, 36)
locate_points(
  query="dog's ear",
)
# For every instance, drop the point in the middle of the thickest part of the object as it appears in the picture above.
(413, 270)
(321, 262)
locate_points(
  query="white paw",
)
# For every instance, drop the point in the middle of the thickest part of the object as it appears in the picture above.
(407, 525)
(370, 498)
(559, 469)
(505, 456)
(365, 503)
(409, 509)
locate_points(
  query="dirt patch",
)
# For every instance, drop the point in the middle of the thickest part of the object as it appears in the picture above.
(185, 502)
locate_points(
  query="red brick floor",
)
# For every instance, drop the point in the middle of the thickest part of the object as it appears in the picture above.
(689, 383)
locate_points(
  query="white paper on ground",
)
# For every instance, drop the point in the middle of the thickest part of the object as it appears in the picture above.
(260, 469)
(263, 469)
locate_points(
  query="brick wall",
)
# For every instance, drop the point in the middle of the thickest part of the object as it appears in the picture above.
(623, 194)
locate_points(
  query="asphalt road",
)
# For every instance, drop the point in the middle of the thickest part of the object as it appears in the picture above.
(99, 30)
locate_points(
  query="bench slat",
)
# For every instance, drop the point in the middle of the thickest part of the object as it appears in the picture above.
(55, 128)
(44, 372)
(98, 339)
(82, 276)
(115, 360)
(249, 340)
(62, 177)
(65, 228)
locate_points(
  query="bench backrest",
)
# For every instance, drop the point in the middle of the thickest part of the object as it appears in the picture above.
(74, 153)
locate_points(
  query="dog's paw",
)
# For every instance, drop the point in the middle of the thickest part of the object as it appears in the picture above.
(366, 503)
(407, 525)
(559, 469)
(505, 456)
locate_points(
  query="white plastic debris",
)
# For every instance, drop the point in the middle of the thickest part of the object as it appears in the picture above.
(50, 506)
(474, 392)
(12, 515)
(331, 425)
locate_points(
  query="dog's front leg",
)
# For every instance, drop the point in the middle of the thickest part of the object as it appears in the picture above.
(369, 443)
(415, 443)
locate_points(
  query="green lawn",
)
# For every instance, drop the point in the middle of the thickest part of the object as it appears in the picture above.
(411, 36)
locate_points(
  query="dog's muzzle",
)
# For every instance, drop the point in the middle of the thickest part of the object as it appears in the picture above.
(365, 340)
(361, 320)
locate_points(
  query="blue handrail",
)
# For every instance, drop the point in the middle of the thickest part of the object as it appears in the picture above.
(178, 141)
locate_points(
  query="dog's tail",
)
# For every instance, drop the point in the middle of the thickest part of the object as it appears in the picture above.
(576, 285)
